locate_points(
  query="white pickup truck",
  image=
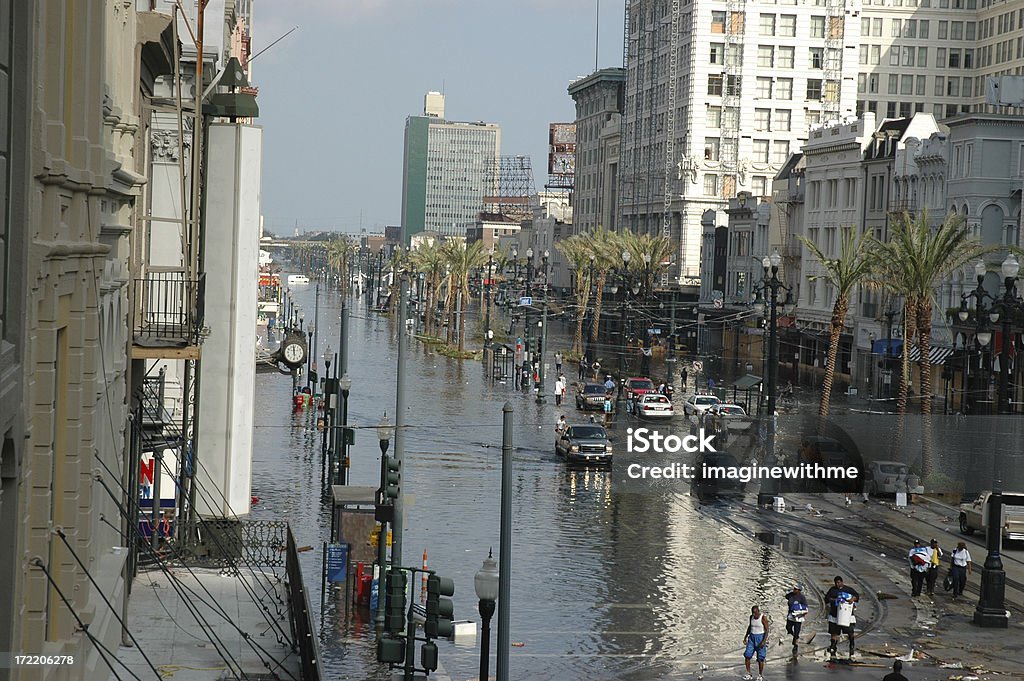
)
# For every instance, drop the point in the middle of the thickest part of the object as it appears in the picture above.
(974, 515)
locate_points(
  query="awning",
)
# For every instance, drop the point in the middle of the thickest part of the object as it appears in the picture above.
(937, 354)
(746, 382)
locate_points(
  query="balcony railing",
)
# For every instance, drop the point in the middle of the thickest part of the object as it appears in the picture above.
(903, 205)
(168, 309)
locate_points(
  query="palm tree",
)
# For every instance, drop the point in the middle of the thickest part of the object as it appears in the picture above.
(577, 252)
(429, 259)
(606, 256)
(852, 267)
(461, 259)
(915, 260)
(650, 256)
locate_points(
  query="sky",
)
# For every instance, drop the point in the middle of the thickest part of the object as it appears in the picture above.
(334, 95)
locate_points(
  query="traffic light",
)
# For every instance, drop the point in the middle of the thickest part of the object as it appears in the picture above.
(439, 609)
(391, 650)
(428, 656)
(392, 478)
(394, 612)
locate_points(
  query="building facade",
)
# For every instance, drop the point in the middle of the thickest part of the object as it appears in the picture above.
(447, 170)
(599, 100)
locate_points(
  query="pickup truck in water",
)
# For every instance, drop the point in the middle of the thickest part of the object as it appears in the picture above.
(974, 515)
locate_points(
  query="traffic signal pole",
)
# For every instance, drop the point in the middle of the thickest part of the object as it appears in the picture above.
(505, 543)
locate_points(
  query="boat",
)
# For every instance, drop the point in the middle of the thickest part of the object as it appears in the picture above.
(295, 279)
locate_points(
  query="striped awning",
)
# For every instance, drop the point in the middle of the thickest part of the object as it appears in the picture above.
(936, 353)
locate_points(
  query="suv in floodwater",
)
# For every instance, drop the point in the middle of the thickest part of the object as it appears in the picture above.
(637, 386)
(584, 443)
(590, 396)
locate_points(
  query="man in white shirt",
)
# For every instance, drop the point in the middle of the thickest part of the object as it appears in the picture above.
(559, 390)
(919, 558)
(960, 568)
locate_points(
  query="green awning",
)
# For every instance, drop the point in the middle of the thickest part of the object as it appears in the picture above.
(747, 382)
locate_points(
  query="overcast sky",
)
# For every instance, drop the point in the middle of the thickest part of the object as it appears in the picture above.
(334, 95)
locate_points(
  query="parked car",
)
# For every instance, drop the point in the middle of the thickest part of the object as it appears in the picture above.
(590, 396)
(728, 410)
(974, 515)
(697, 404)
(890, 477)
(584, 443)
(637, 386)
(653, 406)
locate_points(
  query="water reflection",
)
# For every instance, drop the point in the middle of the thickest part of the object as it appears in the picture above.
(605, 584)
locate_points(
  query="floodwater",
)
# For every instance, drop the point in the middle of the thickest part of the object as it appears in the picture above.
(605, 584)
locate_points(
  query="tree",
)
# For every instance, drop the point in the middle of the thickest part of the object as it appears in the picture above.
(603, 248)
(650, 256)
(461, 260)
(579, 256)
(912, 263)
(852, 268)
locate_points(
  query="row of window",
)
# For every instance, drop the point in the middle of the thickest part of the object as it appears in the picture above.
(832, 194)
(724, 186)
(908, 109)
(764, 151)
(770, 88)
(772, 56)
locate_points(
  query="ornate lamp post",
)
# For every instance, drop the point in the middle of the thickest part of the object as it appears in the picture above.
(527, 355)
(384, 432)
(486, 583)
(487, 294)
(346, 385)
(769, 289)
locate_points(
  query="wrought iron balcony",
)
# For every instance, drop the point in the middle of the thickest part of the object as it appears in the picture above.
(168, 310)
(903, 205)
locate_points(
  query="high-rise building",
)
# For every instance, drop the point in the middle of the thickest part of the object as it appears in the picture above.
(933, 56)
(445, 170)
(598, 100)
(718, 93)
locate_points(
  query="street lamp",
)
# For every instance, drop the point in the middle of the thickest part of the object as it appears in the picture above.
(486, 583)
(543, 324)
(768, 300)
(346, 385)
(487, 289)
(626, 257)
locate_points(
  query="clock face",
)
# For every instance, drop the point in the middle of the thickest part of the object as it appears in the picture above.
(294, 352)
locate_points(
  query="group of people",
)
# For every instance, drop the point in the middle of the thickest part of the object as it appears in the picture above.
(925, 562)
(587, 369)
(841, 601)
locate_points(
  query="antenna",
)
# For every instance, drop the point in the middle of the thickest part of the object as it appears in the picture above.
(597, 33)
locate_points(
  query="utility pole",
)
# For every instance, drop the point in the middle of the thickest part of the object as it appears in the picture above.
(543, 331)
(400, 409)
(505, 543)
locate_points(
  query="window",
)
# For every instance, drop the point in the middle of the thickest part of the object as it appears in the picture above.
(767, 24)
(953, 87)
(954, 59)
(812, 117)
(966, 90)
(940, 57)
(876, 28)
(784, 58)
(876, 53)
(894, 55)
(780, 151)
(764, 87)
(733, 55)
(814, 89)
(906, 85)
(896, 29)
(873, 85)
(783, 120)
(710, 184)
(894, 84)
(717, 22)
(943, 30)
(862, 83)
(940, 85)
(833, 193)
(733, 86)
(765, 55)
(908, 56)
(956, 30)
(971, 29)
(715, 84)
(759, 185)
(968, 58)
(787, 25)
(922, 31)
(717, 53)
(865, 26)
(921, 86)
(714, 117)
(712, 148)
(816, 55)
(784, 88)
(864, 55)
(762, 119)
(922, 56)
(818, 27)
(761, 151)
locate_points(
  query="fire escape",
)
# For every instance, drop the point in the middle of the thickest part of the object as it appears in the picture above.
(670, 135)
(832, 83)
(732, 92)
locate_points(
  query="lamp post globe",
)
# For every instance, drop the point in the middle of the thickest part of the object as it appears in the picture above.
(486, 584)
(384, 432)
(1010, 267)
(346, 384)
(328, 354)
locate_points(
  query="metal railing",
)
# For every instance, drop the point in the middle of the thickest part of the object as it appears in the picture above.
(152, 399)
(168, 308)
(304, 637)
(900, 206)
(223, 543)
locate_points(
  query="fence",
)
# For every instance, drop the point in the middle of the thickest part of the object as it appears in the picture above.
(304, 637)
(168, 308)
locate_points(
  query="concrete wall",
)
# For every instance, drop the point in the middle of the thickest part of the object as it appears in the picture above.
(228, 369)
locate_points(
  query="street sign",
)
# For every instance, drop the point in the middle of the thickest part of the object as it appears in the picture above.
(698, 367)
(654, 332)
(718, 303)
(525, 301)
(337, 562)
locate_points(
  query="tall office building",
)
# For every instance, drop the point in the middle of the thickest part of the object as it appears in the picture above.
(933, 56)
(718, 93)
(445, 171)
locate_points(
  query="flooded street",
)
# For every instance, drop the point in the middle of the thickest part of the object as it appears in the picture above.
(605, 585)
